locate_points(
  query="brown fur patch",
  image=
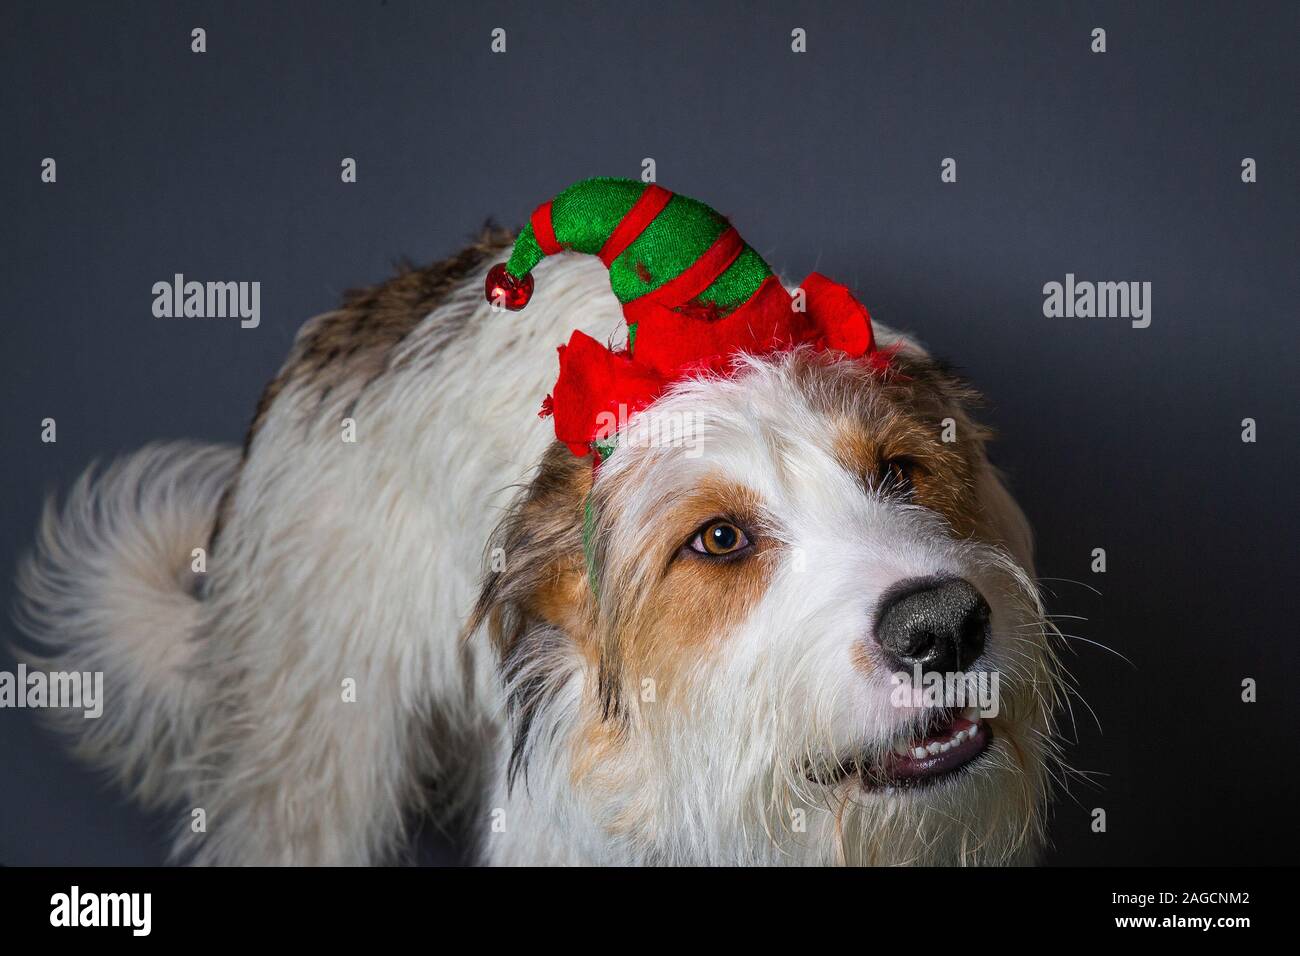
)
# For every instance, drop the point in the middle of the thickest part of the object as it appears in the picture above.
(355, 343)
(899, 418)
(674, 605)
(596, 749)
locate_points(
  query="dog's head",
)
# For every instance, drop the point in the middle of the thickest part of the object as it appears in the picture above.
(701, 640)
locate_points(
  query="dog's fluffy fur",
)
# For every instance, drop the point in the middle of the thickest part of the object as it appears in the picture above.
(651, 708)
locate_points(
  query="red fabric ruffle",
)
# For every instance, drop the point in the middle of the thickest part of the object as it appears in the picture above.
(599, 389)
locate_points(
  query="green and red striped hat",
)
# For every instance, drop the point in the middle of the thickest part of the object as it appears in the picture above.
(694, 296)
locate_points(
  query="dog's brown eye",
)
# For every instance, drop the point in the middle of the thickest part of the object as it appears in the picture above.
(719, 539)
(899, 473)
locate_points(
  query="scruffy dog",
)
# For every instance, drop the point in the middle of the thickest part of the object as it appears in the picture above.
(415, 601)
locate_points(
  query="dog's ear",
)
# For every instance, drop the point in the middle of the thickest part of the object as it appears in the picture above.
(535, 595)
(536, 569)
(1002, 520)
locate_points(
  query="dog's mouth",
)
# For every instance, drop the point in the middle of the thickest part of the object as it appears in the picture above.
(951, 741)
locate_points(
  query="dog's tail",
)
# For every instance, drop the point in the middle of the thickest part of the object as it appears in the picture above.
(110, 588)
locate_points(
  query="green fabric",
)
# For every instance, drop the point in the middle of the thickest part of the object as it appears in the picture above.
(678, 236)
(586, 214)
(527, 253)
(604, 447)
(739, 282)
(583, 217)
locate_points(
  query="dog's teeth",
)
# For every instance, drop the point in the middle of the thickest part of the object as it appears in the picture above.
(934, 749)
(959, 736)
(919, 752)
(901, 748)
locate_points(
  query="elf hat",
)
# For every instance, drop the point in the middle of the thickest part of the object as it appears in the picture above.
(694, 296)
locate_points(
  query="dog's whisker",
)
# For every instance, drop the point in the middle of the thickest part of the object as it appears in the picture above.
(1104, 647)
(1082, 584)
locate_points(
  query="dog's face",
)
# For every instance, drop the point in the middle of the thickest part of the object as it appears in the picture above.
(701, 643)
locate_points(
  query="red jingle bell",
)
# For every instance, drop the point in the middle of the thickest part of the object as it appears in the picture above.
(501, 288)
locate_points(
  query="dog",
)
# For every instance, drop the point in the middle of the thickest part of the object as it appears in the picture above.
(405, 600)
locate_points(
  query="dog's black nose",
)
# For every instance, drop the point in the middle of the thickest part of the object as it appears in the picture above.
(940, 624)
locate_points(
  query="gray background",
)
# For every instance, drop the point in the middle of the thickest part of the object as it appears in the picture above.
(1114, 167)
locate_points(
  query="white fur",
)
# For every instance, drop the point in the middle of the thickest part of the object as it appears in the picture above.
(109, 589)
(360, 562)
